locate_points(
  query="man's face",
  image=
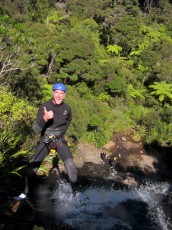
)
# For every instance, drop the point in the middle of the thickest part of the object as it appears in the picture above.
(58, 96)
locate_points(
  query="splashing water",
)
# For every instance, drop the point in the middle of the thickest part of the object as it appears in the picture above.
(153, 194)
(106, 209)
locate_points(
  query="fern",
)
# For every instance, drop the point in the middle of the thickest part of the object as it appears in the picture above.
(162, 90)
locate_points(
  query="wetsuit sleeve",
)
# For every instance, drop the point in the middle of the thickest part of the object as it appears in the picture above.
(68, 120)
(40, 122)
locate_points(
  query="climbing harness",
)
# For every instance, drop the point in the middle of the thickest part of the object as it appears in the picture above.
(50, 138)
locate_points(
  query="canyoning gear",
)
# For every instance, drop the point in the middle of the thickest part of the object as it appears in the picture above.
(54, 132)
(50, 138)
(43, 149)
(53, 141)
(59, 86)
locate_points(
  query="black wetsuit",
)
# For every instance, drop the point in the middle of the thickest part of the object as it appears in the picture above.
(56, 127)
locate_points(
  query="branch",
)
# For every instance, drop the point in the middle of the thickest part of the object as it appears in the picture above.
(10, 63)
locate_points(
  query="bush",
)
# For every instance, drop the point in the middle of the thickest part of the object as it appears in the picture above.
(16, 115)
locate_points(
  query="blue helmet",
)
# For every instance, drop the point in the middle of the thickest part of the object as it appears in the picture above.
(59, 86)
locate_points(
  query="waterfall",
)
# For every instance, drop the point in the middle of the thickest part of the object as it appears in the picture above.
(98, 207)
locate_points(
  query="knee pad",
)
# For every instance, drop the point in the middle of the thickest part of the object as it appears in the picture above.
(71, 170)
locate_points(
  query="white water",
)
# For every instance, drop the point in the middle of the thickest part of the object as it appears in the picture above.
(96, 208)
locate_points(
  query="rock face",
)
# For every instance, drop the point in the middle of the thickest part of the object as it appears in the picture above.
(132, 161)
(87, 153)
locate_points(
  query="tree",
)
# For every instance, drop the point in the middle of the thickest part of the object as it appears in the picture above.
(15, 9)
(115, 81)
(14, 56)
(90, 8)
(79, 53)
(38, 9)
(126, 33)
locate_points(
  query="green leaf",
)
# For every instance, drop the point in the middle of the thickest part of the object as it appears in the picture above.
(18, 154)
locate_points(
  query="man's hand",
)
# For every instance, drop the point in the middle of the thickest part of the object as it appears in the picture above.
(48, 114)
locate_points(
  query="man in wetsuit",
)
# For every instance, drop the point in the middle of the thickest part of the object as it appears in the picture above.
(53, 120)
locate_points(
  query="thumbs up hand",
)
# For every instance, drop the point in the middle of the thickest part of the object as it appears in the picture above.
(48, 114)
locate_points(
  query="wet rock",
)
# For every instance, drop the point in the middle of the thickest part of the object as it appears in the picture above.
(136, 214)
(130, 181)
(87, 153)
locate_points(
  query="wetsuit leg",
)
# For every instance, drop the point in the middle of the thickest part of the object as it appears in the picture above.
(66, 156)
(41, 151)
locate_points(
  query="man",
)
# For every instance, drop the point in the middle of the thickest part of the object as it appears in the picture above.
(52, 122)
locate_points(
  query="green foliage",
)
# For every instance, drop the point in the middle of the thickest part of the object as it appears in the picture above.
(46, 89)
(160, 133)
(16, 117)
(55, 18)
(139, 132)
(166, 113)
(15, 9)
(94, 118)
(122, 120)
(84, 90)
(114, 49)
(138, 112)
(97, 138)
(19, 154)
(129, 27)
(38, 9)
(14, 54)
(85, 27)
(151, 55)
(78, 56)
(80, 113)
(115, 80)
(88, 9)
(135, 93)
(162, 90)
(104, 122)
(27, 85)
(104, 97)
(42, 48)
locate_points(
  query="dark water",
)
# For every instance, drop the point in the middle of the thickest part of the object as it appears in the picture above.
(101, 207)
(98, 204)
